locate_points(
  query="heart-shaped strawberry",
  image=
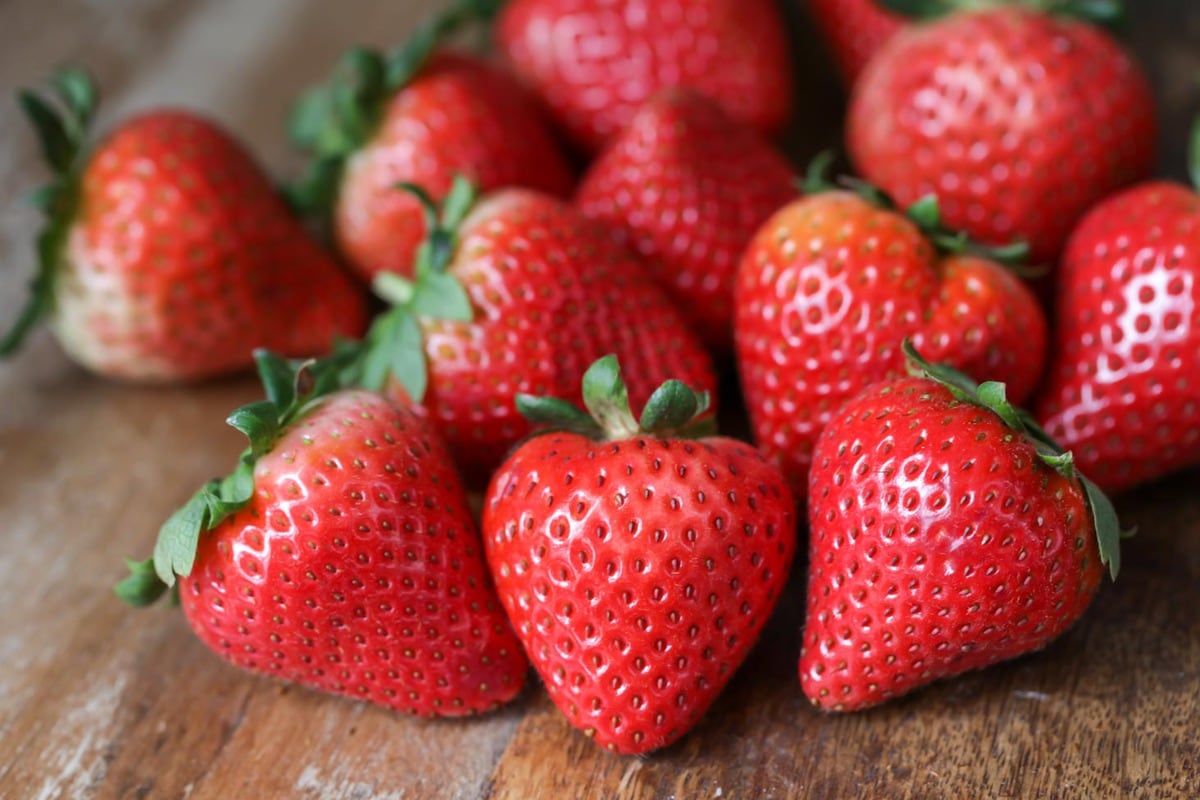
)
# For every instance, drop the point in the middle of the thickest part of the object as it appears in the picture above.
(831, 285)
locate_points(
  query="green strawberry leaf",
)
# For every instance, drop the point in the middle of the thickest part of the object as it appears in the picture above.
(1194, 155)
(817, 179)
(1108, 526)
(175, 550)
(57, 146)
(142, 587)
(440, 295)
(78, 93)
(278, 379)
(557, 414)
(926, 213)
(671, 407)
(1106, 13)
(260, 422)
(607, 398)
(395, 347)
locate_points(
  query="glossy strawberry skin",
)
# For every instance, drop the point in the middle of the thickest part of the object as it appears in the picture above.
(1123, 389)
(1019, 122)
(595, 62)
(357, 569)
(940, 543)
(827, 291)
(551, 294)
(686, 187)
(637, 573)
(183, 259)
(459, 116)
(854, 31)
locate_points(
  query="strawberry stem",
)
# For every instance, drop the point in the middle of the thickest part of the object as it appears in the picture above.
(992, 396)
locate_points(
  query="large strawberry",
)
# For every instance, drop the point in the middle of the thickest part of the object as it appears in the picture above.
(518, 293)
(947, 532)
(595, 62)
(854, 30)
(419, 115)
(1019, 120)
(340, 554)
(166, 253)
(832, 284)
(687, 186)
(637, 566)
(1123, 389)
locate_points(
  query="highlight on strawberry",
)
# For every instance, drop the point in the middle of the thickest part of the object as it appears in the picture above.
(638, 558)
(948, 532)
(340, 554)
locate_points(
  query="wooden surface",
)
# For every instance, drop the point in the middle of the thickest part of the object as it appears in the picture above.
(100, 701)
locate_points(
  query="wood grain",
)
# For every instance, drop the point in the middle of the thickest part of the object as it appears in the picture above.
(100, 701)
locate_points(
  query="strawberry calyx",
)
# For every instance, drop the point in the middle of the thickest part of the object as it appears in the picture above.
(925, 214)
(1106, 13)
(61, 116)
(1194, 155)
(332, 121)
(291, 388)
(674, 410)
(992, 396)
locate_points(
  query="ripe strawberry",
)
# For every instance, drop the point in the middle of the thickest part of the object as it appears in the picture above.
(518, 294)
(832, 284)
(948, 533)
(341, 555)
(854, 31)
(595, 62)
(166, 254)
(686, 186)
(418, 116)
(638, 567)
(1019, 120)
(1125, 368)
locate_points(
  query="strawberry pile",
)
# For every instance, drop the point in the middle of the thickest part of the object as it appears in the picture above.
(569, 240)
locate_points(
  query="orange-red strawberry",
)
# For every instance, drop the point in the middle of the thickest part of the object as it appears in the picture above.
(832, 284)
(595, 62)
(947, 533)
(1123, 388)
(519, 293)
(1018, 120)
(854, 31)
(340, 554)
(638, 566)
(416, 116)
(167, 255)
(687, 186)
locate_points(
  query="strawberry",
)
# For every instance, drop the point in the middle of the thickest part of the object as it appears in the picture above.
(686, 186)
(595, 62)
(167, 254)
(831, 285)
(854, 31)
(420, 115)
(340, 554)
(637, 566)
(1019, 120)
(1125, 367)
(948, 533)
(517, 294)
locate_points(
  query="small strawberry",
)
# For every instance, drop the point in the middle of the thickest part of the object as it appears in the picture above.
(832, 284)
(854, 30)
(167, 254)
(637, 566)
(420, 115)
(686, 186)
(595, 62)
(1123, 389)
(948, 533)
(1018, 120)
(517, 294)
(340, 554)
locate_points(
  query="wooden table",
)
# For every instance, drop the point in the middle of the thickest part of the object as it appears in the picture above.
(100, 701)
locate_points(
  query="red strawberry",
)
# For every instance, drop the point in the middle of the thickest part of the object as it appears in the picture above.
(686, 186)
(948, 533)
(519, 294)
(638, 567)
(1123, 390)
(341, 554)
(854, 31)
(167, 254)
(418, 117)
(595, 62)
(830, 286)
(1018, 120)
